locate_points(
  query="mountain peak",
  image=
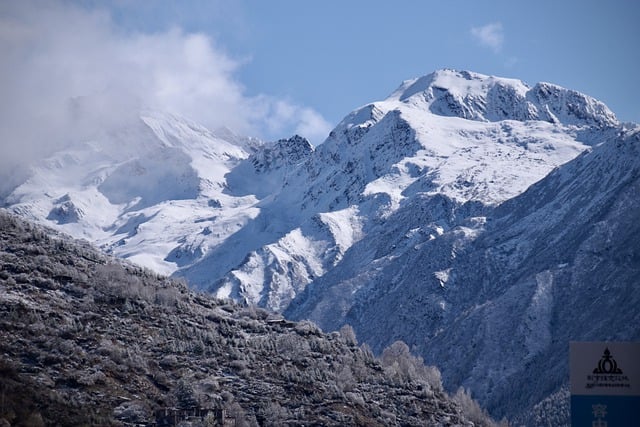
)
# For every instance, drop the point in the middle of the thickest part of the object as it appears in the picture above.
(480, 97)
(283, 152)
(461, 83)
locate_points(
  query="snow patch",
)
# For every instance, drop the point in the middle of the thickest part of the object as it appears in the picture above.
(345, 226)
(442, 276)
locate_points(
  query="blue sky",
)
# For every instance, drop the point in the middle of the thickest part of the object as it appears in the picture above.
(337, 55)
(271, 68)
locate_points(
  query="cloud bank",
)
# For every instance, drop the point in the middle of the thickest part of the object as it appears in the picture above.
(57, 52)
(490, 35)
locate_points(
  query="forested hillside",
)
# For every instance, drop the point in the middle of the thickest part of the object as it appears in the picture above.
(86, 339)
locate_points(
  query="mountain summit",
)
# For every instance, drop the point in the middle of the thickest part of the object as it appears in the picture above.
(460, 201)
(476, 96)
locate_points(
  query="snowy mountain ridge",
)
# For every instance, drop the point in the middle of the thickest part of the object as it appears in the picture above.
(475, 96)
(376, 158)
(177, 198)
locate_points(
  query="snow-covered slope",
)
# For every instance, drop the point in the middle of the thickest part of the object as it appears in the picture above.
(414, 220)
(150, 191)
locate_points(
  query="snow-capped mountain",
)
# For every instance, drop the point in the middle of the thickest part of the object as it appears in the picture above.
(416, 219)
(147, 191)
(418, 142)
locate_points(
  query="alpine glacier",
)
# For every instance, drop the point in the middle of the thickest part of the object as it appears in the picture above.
(472, 216)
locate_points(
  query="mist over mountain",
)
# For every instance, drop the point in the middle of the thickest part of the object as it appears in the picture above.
(483, 221)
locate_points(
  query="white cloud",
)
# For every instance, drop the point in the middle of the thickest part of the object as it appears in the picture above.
(312, 125)
(53, 52)
(490, 35)
(281, 113)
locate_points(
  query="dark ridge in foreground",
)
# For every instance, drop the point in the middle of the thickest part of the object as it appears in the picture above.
(89, 340)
